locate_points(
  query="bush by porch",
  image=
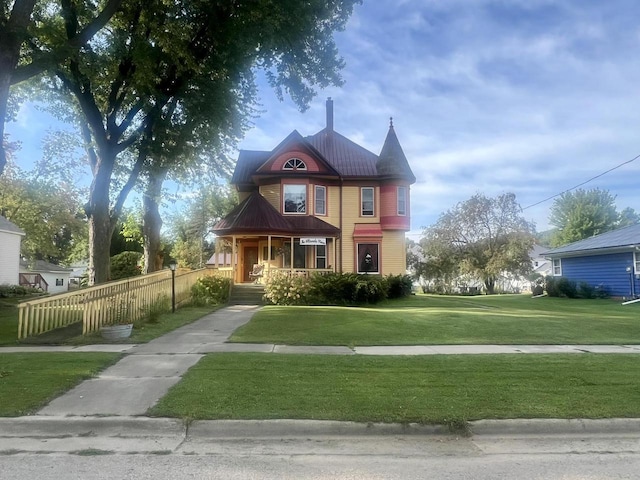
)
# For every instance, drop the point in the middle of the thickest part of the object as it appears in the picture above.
(334, 288)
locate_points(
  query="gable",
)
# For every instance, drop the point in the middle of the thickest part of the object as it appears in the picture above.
(291, 148)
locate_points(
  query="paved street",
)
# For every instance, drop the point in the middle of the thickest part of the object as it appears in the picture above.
(366, 457)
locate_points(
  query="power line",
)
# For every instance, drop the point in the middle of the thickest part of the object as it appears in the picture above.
(583, 183)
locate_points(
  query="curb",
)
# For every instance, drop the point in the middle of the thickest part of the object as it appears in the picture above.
(305, 428)
(556, 426)
(148, 427)
(49, 427)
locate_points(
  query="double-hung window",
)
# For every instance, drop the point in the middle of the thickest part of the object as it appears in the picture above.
(636, 263)
(402, 201)
(367, 201)
(321, 256)
(321, 200)
(295, 198)
(557, 267)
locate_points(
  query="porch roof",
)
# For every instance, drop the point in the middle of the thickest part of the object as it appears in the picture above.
(257, 215)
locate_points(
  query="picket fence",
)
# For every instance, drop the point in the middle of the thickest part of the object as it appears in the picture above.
(122, 301)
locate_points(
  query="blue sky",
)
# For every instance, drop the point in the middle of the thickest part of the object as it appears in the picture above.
(523, 96)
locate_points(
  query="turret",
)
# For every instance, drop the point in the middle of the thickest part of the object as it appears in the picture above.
(396, 177)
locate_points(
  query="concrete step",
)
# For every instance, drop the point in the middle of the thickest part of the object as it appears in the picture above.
(246, 294)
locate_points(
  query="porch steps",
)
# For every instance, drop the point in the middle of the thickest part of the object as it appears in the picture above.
(246, 294)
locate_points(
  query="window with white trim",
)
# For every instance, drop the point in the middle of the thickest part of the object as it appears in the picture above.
(402, 201)
(321, 200)
(367, 201)
(636, 263)
(557, 267)
(368, 258)
(294, 164)
(321, 256)
(295, 198)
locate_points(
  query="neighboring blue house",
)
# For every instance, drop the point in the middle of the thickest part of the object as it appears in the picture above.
(611, 260)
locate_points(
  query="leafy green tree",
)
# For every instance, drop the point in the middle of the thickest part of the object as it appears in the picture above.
(49, 212)
(160, 60)
(582, 214)
(32, 41)
(193, 241)
(628, 217)
(483, 237)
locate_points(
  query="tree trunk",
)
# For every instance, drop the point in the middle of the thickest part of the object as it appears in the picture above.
(101, 223)
(152, 222)
(490, 285)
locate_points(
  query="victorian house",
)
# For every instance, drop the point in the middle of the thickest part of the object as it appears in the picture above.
(320, 203)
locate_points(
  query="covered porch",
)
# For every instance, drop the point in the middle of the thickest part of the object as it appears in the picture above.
(263, 241)
(255, 257)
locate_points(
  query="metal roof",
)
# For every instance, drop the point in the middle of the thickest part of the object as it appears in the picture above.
(257, 216)
(620, 238)
(7, 226)
(43, 266)
(346, 157)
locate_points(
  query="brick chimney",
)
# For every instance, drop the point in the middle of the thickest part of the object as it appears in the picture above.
(329, 115)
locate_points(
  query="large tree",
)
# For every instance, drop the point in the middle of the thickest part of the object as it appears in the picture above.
(484, 237)
(582, 214)
(32, 41)
(158, 58)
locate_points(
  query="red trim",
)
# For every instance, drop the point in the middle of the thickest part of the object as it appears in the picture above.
(280, 160)
(367, 230)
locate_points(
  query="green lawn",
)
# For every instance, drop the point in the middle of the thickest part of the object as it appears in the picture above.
(29, 381)
(8, 321)
(426, 389)
(447, 320)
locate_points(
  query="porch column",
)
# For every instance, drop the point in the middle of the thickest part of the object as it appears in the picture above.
(291, 255)
(268, 253)
(233, 259)
(335, 255)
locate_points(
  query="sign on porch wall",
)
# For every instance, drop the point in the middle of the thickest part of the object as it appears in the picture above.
(313, 241)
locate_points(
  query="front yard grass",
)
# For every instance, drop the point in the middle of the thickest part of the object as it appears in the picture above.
(427, 389)
(449, 320)
(30, 380)
(8, 321)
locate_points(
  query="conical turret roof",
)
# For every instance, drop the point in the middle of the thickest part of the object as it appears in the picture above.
(392, 162)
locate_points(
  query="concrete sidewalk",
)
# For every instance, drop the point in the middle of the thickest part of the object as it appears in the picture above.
(141, 378)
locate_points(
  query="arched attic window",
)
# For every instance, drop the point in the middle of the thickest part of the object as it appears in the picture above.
(294, 164)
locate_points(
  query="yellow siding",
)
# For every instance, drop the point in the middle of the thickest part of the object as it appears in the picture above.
(351, 216)
(333, 204)
(394, 257)
(272, 194)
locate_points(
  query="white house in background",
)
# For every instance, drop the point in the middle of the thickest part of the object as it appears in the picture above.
(539, 263)
(10, 238)
(56, 278)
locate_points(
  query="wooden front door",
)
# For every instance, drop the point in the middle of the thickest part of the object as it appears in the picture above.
(249, 259)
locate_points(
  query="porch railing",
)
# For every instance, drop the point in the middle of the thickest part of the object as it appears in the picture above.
(33, 280)
(301, 272)
(124, 300)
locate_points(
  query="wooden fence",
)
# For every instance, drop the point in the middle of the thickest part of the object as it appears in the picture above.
(123, 301)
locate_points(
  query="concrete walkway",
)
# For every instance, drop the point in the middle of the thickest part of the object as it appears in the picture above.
(140, 379)
(145, 374)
